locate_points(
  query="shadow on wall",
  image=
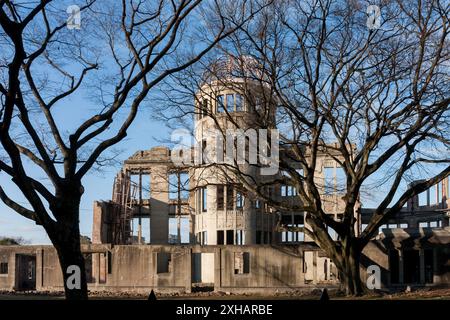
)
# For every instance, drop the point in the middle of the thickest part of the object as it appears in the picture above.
(411, 256)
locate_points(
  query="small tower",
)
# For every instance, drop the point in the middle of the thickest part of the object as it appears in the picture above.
(230, 98)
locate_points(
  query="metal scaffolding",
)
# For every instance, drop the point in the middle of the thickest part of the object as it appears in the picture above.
(123, 197)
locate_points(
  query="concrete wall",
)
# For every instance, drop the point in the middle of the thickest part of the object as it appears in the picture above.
(7, 280)
(102, 212)
(165, 268)
(269, 268)
(145, 267)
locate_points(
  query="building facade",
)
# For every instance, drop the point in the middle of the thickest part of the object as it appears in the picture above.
(177, 219)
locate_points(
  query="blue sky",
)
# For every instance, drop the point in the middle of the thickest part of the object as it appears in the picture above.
(144, 134)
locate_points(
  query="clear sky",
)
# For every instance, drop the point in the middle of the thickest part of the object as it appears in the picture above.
(144, 134)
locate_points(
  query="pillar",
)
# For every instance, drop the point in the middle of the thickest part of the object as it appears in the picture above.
(315, 267)
(140, 208)
(217, 269)
(39, 269)
(159, 203)
(188, 270)
(422, 265)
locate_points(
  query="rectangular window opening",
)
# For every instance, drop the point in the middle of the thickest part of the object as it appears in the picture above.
(239, 103)
(204, 199)
(258, 237)
(220, 237)
(239, 237)
(239, 200)
(329, 185)
(230, 236)
(204, 238)
(230, 197)
(163, 260)
(220, 197)
(4, 268)
(109, 262)
(173, 186)
(220, 104)
(230, 102)
(241, 262)
(185, 230)
(204, 110)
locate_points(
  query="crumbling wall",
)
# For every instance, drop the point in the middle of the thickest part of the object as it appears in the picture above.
(102, 222)
(249, 269)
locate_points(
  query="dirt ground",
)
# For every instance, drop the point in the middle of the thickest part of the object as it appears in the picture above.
(419, 294)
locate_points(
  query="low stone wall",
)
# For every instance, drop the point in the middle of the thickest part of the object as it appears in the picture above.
(166, 268)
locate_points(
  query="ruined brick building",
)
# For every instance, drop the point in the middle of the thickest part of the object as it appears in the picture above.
(203, 230)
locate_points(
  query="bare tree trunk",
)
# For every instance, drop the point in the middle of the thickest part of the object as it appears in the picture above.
(349, 271)
(66, 240)
(69, 254)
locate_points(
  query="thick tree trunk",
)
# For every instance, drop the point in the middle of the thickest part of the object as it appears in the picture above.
(66, 240)
(69, 254)
(350, 273)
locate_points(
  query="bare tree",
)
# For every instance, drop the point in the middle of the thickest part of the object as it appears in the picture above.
(114, 58)
(373, 98)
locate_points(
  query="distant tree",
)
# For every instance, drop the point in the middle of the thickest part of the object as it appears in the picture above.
(85, 240)
(7, 241)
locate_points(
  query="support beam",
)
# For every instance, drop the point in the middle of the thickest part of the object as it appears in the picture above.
(140, 208)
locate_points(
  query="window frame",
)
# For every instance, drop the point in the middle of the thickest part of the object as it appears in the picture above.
(230, 197)
(204, 199)
(4, 268)
(220, 102)
(227, 104)
(240, 98)
(240, 201)
(220, 197)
